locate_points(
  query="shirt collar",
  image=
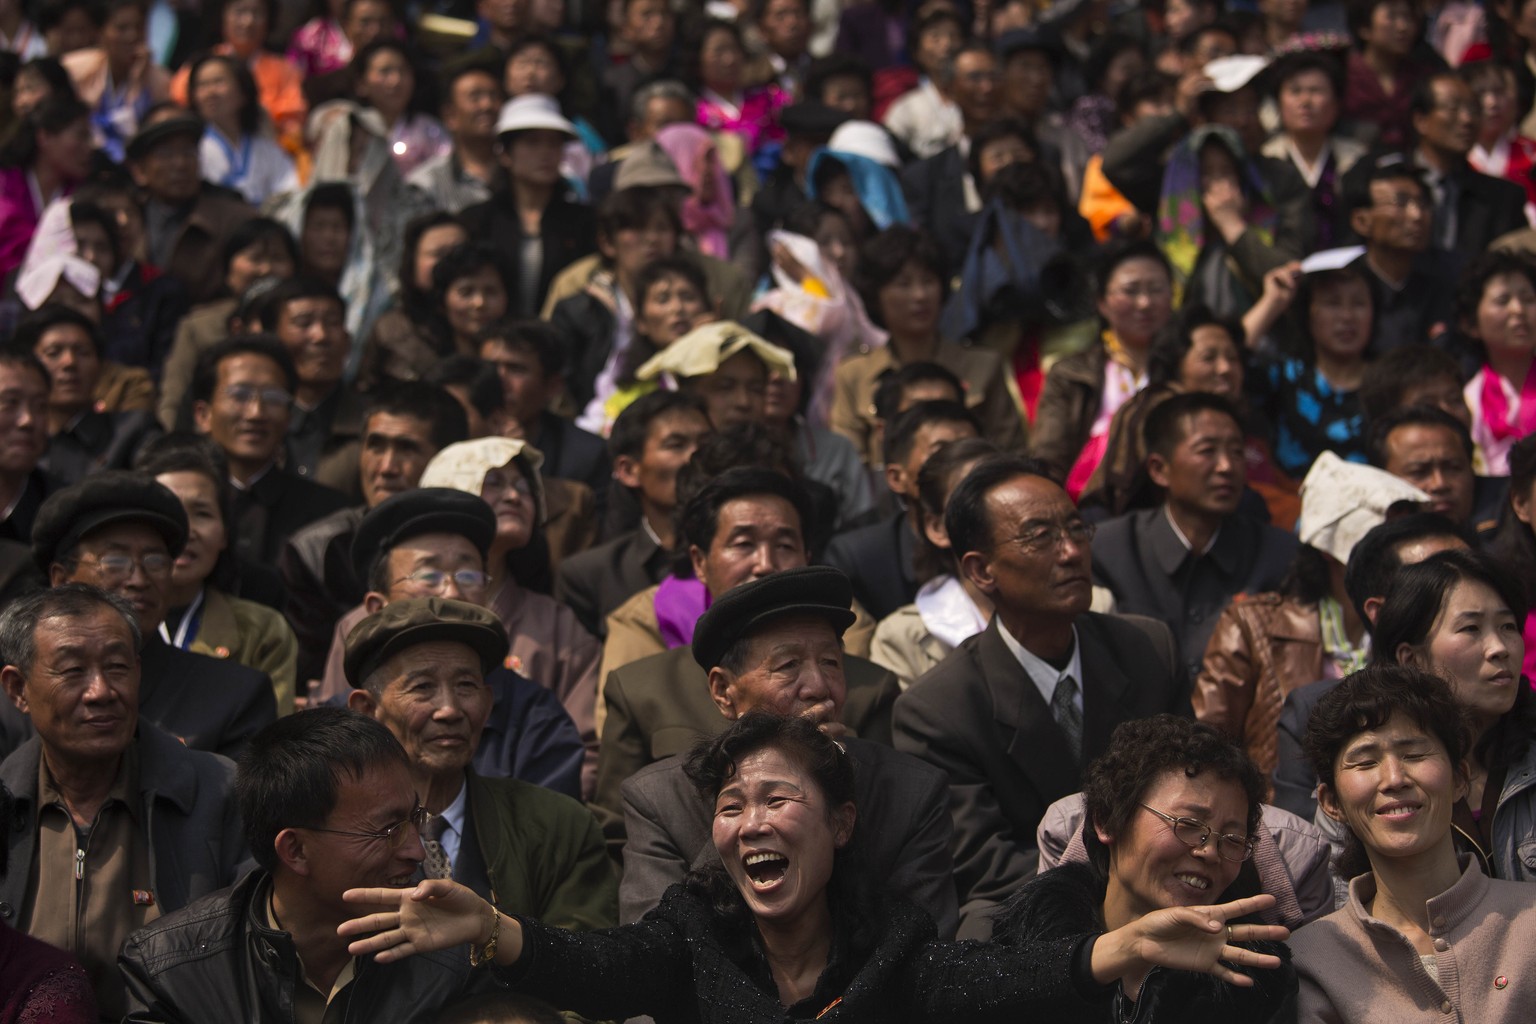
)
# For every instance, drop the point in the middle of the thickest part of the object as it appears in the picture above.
(453, 814)
(1042, 673)
(1185, 540)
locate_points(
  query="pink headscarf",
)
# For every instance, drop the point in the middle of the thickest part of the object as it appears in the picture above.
(689, 145)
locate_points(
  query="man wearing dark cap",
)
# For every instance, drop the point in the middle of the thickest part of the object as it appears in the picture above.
(115, 822)
(432, 542)
(186, 220)
(744, 525)
(121, 531)
(775, 644)
(419, 667)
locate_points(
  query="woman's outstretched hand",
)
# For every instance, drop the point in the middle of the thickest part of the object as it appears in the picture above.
(436, 914)
(1188, 939)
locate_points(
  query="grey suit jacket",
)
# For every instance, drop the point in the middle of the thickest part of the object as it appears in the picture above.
(978, 716)
(902, 831)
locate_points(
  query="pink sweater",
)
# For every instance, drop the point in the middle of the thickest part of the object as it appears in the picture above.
(1355, 969)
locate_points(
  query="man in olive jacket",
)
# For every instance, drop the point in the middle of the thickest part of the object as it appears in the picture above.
(419, 668)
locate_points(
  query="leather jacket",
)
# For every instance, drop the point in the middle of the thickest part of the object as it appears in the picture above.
(217, 960)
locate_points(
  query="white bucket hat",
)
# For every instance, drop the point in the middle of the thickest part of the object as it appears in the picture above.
(530, 112)
(866, 139)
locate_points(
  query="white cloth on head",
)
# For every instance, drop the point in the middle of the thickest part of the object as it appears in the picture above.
(1343, 501)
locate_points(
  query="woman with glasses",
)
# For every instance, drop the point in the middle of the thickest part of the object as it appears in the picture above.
(1425, 935)
(1083, 392)
(1171, 819)
(203, 615)
(784, 924)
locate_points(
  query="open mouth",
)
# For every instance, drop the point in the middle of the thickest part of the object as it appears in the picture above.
(1398, 811)
(765, 870)
(1198, 882)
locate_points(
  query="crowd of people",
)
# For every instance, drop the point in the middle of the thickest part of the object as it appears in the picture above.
(767, 509)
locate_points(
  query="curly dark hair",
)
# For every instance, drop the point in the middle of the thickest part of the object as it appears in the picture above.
(1140, 751)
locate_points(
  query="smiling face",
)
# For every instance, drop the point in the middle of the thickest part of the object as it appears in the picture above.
(473, 303)
(314, 331)
(777, 837)
(82, 689)
(380, 797)
(247, 415)
(435, 700)
(265, 258)
(206, 534)
(510, 496)
(1137, 301)
(1394, 788)
(1151, 869)
(1476, 645)
(475, 99)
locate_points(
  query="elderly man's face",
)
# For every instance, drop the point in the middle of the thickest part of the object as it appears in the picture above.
(793, 666)
(435, 701)
(755, 535)
(169, 172)
(736, 392)
(446, 565)
(1034, 565)
(129, 560)
(82, 689)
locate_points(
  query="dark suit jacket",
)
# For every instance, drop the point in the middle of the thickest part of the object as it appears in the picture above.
(275, 508)
(1486, 208)
(903, 831)
(979, 717)
(660, 706)
(1143, 562)
(571, 453)
(878, 560)
(596, 581)
(529, 736)
(97, 441)
(326, 447)
(18, 525)
(568, 231)
(207, 703)
(936, 201)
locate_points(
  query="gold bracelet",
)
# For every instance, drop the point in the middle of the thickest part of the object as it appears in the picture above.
(487, 954)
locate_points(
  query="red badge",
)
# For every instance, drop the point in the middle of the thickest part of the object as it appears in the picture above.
(143, 898)
(1501, 982)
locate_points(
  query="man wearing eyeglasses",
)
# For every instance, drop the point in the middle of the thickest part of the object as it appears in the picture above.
(419, 666)
(329, 803)
(432, 542)
(121, 531)
(115, 821)
(1015, 712)
(242, 395)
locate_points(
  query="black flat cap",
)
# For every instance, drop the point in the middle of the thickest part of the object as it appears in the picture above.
(420, 620)
(1020, 39)
(813, 590)
(111, 498)
(811, 118)
(169, 127)
(424, 510)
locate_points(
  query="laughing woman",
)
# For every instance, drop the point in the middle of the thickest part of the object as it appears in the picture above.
(1425, 935)
(783, 927)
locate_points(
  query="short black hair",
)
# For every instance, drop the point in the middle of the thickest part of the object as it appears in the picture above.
(1167, 425)
(1473, 281)
(32, 326)
(18, 622)
(1383, 426)
(535, 336)
(1374, 560)
(633, 426)
(882, 258)
(333, 195)
(1395, 373)
(1116, 255)
(836, 65)
(630, 209)
(995, 129)
(14, 355)
(967, 519)
(893, 385)
(1149, 86)
(269, 308)
(700, 515)
(1103, 53)
(1300, 62)
(288, 776)
(1391, 167)
(463, 261)
(205, 377)
(83, 211)
(485, 61)
(901, 433)
(429, 403)
(1418, 592)
(253, 231)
